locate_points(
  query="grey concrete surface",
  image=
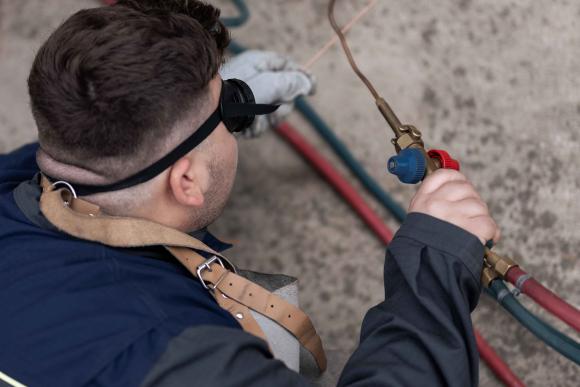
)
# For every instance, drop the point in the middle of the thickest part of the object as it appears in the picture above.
(497, 83)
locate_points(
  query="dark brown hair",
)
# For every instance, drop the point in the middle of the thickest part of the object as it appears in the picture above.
(110, 81)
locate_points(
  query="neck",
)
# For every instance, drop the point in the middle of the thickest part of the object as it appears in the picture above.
(67, 172)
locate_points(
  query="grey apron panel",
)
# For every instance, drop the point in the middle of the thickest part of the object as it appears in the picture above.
(284, 346)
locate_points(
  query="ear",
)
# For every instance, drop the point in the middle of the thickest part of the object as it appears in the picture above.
(185, 185)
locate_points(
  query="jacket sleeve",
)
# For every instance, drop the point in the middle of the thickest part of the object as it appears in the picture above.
(420, 335)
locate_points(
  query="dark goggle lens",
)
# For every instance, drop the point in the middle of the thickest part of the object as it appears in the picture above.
(236, 92)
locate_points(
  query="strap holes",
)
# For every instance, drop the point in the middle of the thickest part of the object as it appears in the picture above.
(250, 294)
(289, 316)
(271, 306)
(231, 284)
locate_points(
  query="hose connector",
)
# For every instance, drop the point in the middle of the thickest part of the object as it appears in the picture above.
(488, 275)
(501, 265)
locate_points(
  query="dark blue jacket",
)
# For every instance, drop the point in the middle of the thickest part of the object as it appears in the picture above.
(75, 313)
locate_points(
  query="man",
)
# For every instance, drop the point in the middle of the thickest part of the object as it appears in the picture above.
(116, 90)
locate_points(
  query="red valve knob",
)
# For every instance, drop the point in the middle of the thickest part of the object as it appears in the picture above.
(445, 160)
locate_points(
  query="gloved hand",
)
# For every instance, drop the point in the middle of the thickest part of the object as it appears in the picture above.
(274, 79)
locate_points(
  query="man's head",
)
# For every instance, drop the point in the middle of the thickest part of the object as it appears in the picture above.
(115, 89)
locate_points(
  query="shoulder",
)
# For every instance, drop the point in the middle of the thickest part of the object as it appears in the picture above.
(18, 165)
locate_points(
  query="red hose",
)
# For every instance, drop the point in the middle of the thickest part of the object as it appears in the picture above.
(339, 183)
(544, 297)
(496, 364)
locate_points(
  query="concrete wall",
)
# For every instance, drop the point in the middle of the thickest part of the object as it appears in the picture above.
(497, 83)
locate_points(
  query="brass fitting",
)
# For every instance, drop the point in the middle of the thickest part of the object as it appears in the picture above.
(499, 264)
(487, 275)
(410, 137)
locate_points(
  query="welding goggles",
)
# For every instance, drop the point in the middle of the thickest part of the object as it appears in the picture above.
(237, 110)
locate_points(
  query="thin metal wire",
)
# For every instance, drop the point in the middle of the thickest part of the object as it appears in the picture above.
(347, 51)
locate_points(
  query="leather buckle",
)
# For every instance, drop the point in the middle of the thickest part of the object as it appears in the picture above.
(207, 266)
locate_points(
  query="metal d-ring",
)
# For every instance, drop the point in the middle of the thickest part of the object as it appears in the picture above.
(67, 185)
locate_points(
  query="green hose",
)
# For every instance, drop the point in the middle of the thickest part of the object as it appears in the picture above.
(542, 330)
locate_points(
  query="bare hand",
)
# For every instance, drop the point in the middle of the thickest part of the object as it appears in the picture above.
(447, 195)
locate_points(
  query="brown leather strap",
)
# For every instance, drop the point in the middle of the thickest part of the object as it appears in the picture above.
(241, 313)
(260, 300)
(273, 307)
(234, 293)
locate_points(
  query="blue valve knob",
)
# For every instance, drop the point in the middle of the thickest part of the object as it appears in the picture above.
(408, 166)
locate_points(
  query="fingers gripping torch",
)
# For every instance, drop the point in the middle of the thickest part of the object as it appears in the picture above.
(413, 162)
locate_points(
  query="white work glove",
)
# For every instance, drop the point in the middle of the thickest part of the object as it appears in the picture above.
(274, 79)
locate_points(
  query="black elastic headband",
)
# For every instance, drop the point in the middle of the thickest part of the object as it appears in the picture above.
(225, 110)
